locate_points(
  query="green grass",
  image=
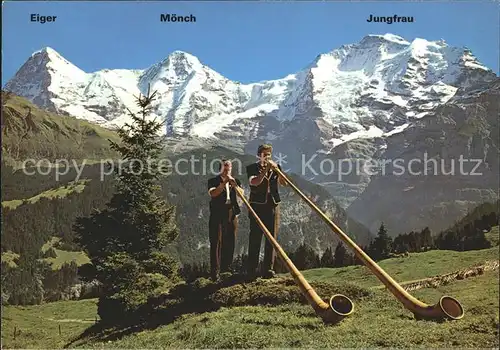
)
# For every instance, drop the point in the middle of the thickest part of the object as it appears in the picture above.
(378, 320)
(493, 236)
(55, 121)
(59, 192)
(416, 266)
(64, 256)
(50, 135)
(13, 204)
(10, 258)
(38, 326)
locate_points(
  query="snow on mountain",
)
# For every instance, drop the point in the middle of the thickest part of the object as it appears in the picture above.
(353, 86)
(437, 194)
(372, 100)
(344, 104)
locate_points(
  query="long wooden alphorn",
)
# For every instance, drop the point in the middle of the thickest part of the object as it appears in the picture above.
(446, 308)
(338, 307)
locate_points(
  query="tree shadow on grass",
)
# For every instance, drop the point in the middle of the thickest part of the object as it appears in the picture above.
(203, 296)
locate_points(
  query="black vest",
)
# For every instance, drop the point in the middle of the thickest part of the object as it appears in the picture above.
(258, 194)
(217, 204)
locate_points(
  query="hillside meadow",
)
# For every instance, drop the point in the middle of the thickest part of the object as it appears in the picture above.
(270, 313)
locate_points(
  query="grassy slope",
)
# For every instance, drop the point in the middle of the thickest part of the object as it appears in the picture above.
(50, 135)
(416, 266)
(59, 192)
(64, 256)
(378, 320)
(10, 258)
(35, 326)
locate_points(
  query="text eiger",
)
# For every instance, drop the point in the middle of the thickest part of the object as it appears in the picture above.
(35, 17)
(168, 17)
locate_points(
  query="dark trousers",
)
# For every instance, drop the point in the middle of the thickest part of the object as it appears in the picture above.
(269, 215)
(223, 226)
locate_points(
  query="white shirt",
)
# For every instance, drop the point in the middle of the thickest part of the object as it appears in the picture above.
(228, 198)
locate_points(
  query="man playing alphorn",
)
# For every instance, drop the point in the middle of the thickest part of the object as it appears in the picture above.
(264, 199)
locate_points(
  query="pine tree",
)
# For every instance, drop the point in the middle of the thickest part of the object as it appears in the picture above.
(382, 245)
(340, 255)
(327, 259)
(350, 259)
(424, 240)
(491, 219)
(400, 244)
(298, 257)
(125, 240)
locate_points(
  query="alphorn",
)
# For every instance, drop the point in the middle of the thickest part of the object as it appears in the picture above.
(338, 307)
(446, 308)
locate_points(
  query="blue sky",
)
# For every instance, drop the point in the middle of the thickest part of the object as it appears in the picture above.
(244, 41)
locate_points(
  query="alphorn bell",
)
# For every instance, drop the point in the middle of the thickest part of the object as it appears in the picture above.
(446, 308)
(338, 307)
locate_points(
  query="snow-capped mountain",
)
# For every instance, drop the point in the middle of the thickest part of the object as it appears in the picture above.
(52, 82)
(357, 88)
(343, 105)
(456, 158)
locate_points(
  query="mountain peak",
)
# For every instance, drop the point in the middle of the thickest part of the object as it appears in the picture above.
(388, 37)
(49, 53)
(47, 56)
(383, 74)
(49, 50)
(175, 68)
(182, 58)
(180, 53)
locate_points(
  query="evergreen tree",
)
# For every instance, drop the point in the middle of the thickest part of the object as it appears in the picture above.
(350, 259)
(327, 259)
(23, 285)
(125, 240)
(491, 219)
(400, 244)
(412, 241)
(305, 257)
(475, 238)
(426, 239)
(49, 253)
(450, 240)
(382, 245)
(340, 255)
